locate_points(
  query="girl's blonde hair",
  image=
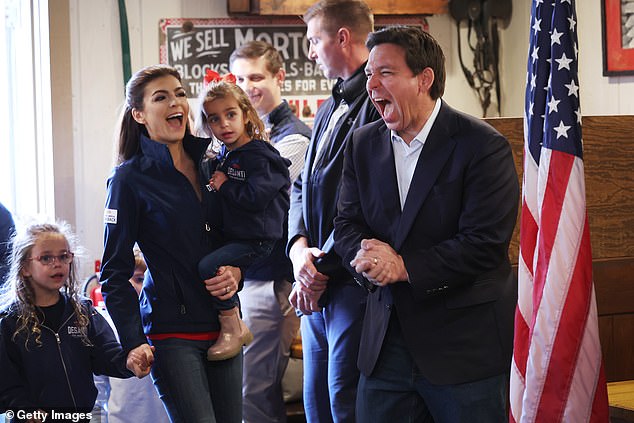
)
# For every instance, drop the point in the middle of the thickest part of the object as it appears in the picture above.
(17, 294)
(254, 126)
(139, 260)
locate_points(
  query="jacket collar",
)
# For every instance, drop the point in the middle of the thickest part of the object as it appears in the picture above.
(154, 150)
(349, 89)
(278, 114)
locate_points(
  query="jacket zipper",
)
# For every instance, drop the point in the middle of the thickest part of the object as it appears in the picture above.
(61, 357)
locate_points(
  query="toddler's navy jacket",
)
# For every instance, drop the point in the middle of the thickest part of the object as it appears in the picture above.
(254, 199)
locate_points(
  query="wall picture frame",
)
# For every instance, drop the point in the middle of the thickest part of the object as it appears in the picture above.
(618, 59)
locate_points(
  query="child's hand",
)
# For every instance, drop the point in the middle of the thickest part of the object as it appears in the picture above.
(217, 179)
(140, 360)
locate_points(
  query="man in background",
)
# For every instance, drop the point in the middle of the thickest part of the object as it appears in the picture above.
(266, 310)
(336, 31)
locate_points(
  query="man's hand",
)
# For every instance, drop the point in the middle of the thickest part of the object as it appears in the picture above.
(310, 284)
(378, 262)
(140, 360)
(302, 256)
(305, 299)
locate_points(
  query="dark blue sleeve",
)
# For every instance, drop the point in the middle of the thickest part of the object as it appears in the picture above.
(264, 182)
(14, 393)
(121, 220)
(7, 227)
(106, 355)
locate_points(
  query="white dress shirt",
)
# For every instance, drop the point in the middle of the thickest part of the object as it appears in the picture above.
(325, 137)
(406, 156)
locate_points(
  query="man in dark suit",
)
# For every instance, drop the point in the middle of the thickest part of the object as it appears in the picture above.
(426, 212)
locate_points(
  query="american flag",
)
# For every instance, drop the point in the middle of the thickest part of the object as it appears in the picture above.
(557, 372)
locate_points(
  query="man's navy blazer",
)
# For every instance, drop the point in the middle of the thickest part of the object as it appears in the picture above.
(456, 312)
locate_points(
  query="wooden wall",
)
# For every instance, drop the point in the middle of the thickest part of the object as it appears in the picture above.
(609, 170)
(298, 7)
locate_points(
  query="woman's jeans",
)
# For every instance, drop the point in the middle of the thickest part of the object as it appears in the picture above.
(194, 389)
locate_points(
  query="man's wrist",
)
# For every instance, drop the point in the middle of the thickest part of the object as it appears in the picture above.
(404, 273)
(298, 245)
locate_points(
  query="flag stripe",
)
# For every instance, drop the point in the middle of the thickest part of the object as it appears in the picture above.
(582, 397)
(552, 203)
(528, 236)
(575, 298)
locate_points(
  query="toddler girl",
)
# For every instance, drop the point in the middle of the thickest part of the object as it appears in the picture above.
(248, 182)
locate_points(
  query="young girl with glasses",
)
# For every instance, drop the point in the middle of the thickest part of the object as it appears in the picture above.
(51, 341)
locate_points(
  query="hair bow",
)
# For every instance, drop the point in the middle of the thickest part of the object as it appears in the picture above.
(213, 76)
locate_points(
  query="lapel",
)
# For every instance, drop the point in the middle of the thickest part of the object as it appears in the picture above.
(386, 184)
(317, 132)
(435, 154)
(342, 130)
(352, 90)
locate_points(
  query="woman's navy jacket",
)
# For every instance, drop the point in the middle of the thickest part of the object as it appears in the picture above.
(153, 204)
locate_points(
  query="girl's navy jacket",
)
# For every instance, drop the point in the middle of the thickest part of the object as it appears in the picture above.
(58, 374)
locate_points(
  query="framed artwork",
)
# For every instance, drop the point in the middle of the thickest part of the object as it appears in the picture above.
(618, 39)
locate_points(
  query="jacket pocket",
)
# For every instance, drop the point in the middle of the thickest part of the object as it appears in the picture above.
(481, 292)
(178, 293)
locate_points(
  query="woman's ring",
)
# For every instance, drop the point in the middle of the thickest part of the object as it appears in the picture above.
(375, 261)
(227, 290)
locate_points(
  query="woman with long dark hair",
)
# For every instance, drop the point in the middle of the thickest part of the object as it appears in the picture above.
(155, 199)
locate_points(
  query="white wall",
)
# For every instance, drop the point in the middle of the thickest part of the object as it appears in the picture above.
(98, 91)
(97, 82)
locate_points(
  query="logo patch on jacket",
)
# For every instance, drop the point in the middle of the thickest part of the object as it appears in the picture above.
(74, 331)
(110, 216)
(238, 174)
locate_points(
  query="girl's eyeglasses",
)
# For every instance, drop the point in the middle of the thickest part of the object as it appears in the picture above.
(49, 259)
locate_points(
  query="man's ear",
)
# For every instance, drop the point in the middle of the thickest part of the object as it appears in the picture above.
(280, 76)
(425, 79)
(139, 116)
(344, 36)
